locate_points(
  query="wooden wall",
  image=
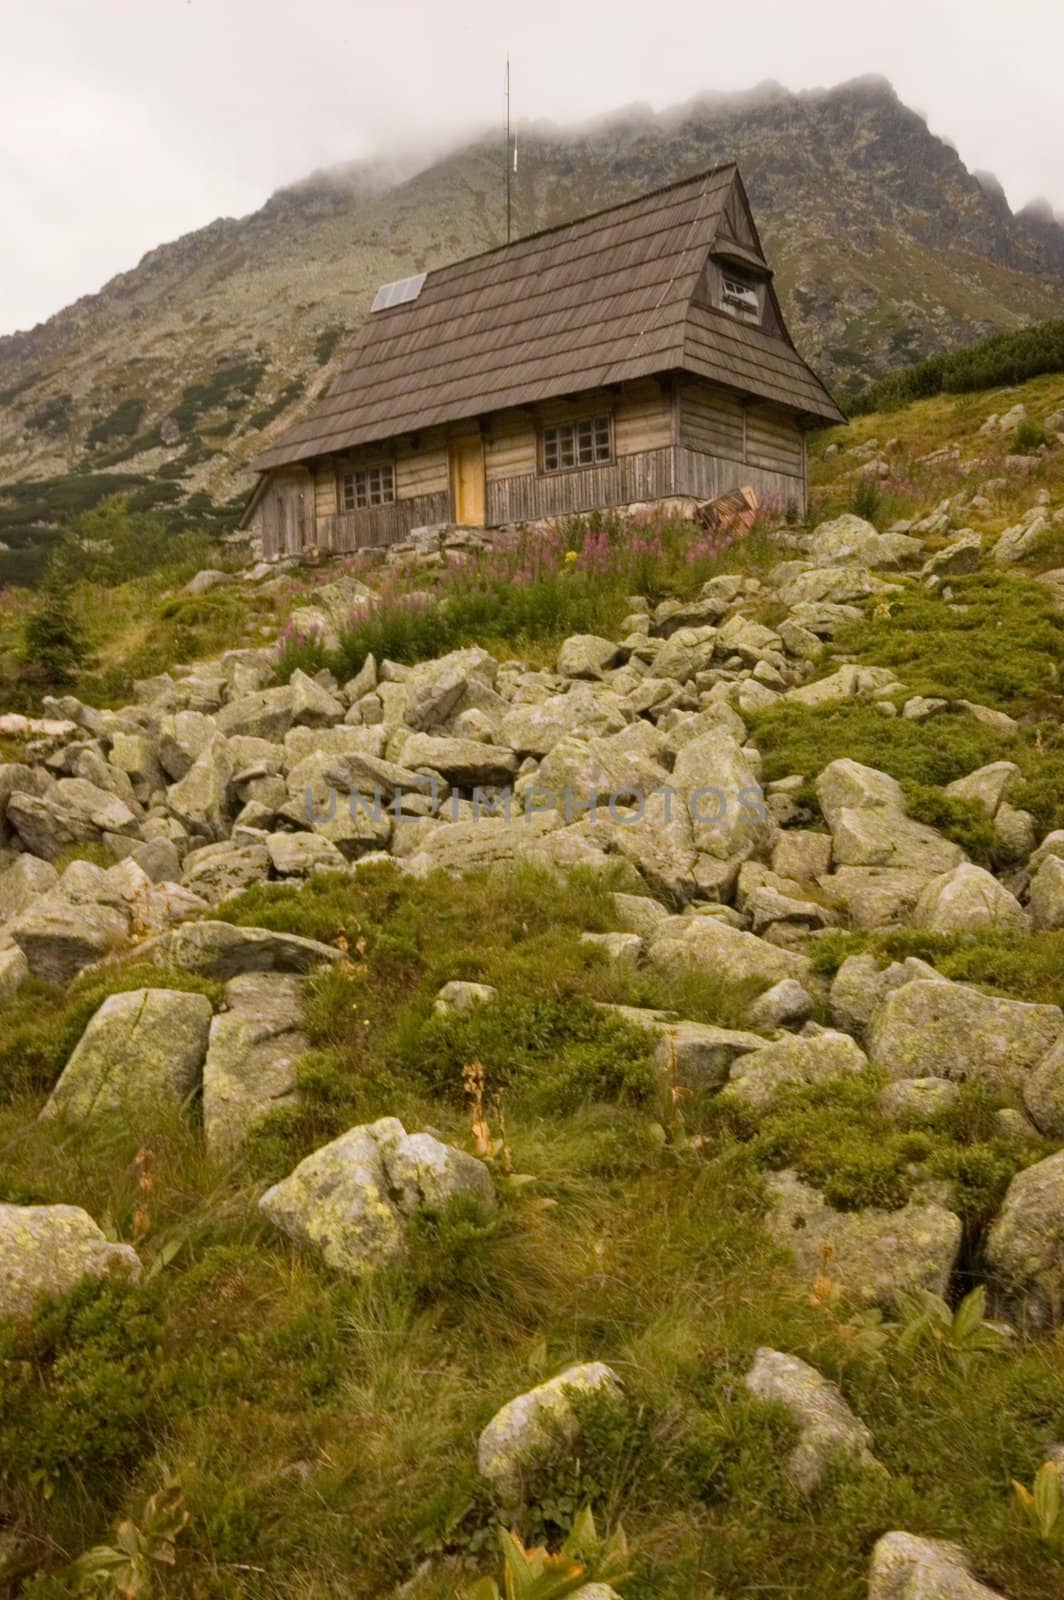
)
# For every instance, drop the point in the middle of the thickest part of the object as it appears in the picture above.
(764, 440)
(642, 420)
(691, 438)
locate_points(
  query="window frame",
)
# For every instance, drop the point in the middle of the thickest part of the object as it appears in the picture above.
(367, 488)
(559, 445)
(735, 284)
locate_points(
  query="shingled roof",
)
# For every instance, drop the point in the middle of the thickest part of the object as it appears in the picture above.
(593, 302)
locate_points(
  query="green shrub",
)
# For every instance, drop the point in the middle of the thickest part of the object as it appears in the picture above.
(54, 647)
(121, 423)
(1005, 358)
(867, 499)
(78, 1388)
(963, 821)
(1028, 436)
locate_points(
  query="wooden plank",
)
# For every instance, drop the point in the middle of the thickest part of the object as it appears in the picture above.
(347, 531)
(646, 476)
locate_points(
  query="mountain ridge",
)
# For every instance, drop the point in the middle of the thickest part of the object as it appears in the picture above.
(886, 249)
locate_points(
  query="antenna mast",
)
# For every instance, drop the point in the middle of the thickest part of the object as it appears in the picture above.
(509, 209)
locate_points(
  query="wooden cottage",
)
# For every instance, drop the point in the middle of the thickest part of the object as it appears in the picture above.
(633, 355)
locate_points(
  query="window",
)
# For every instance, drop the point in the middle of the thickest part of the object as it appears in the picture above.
(576, 444)
(373, 486)
(740, 298)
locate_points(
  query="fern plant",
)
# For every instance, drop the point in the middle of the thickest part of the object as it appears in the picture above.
(535, 1574)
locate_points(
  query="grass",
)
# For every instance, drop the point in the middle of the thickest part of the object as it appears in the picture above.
(322, 1432)
(996, 639)
(1024, 967)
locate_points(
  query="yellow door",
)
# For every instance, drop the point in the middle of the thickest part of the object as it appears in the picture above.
(467, 477)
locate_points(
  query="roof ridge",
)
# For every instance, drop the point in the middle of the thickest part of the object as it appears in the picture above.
(585, 216)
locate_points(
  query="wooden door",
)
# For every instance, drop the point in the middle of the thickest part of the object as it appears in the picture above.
(467, 481)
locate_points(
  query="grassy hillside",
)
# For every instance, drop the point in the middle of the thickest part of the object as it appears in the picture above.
(313, 1436)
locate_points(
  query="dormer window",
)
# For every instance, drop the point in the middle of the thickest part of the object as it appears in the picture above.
(740, 297)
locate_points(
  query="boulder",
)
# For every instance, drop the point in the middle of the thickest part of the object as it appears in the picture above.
(939, 1029)
(1045, 898)
(142, 1048)
(849, 540)
(182, 739)
(875, 897)
(833, 586)
(59, 938)
(639, 913)
(989, 786)
(534, 729)
(267, 714)
(136, 754)
(905, 1567)
(529, 1431)
(250, 1067)
(723, 796)
(828, 1429)
(459, 995)
(761, 1077)
(910, 1102)
(312, 706)
(49, 1250)
(72, 812)
(875, 1256)
(801, 854)
(352, 1199)
(1022, 539)
(201, 800)
(301, 855)
(1025, 1248)
(860, 986)
(786, 1004)
(846, 785)
(877, 837)
(223, 950)
(1043, 1092)
(463, 762)
(956, 559)
(968, 899)
(14, 970)
(848, 683)
(865, 810)
(585, 655)
(624, 948)
(22, 883)
(708, 945)
(217, 871)
(438, 691)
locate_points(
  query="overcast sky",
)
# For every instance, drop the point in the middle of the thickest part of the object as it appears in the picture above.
(128, 122)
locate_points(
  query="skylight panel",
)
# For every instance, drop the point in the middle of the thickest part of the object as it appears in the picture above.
(397, 293)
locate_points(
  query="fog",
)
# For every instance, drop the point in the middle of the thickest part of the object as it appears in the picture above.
(128, 122)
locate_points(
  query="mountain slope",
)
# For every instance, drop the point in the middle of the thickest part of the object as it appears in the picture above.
(886, 249)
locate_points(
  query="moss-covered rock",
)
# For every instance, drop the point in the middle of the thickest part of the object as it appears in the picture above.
(874, 1255)
(532, 1429)
(929, 1029)
(49, 1249)
(142, 1049)
(1025, 1247)
(351, 1200)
